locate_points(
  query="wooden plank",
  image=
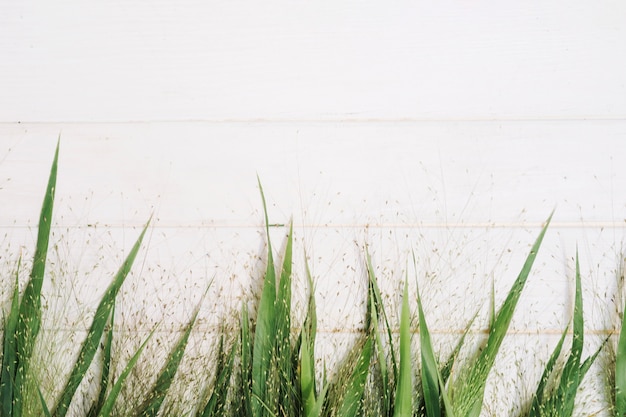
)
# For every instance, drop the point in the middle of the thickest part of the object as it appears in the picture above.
(223, 60)
(355, 175)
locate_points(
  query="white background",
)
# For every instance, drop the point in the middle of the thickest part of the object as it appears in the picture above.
(450, 130)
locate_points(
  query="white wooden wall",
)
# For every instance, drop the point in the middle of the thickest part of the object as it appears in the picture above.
(449, 129)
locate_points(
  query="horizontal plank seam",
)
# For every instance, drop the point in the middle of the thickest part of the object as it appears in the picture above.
(477, 225)
(348, 120)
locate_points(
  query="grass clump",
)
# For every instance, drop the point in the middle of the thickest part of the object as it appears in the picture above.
(269, 367)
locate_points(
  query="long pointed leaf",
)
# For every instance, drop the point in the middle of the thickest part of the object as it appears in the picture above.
(29, 321)
(404, 389)
(471, 388)
(9, 349)
(155, 398)
(90, 345)
(107, 406)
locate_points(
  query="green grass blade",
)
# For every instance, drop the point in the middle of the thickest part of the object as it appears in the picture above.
(155, 398)
(107, 406)
(9, 350)
(376, 310)
(265, 330)
(538, 399)
(285, 394)
(217, 401)
(90, 345)
(29, 321)
(430, 371)
(245, 383)
(620, 370)
(106, 367)
(404, 388)
(355, 387)
(311, 406)
(469, 392)
(44, 406)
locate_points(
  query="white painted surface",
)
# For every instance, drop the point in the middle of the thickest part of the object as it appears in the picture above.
(450, 129)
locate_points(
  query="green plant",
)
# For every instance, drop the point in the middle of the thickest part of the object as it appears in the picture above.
(558, 401)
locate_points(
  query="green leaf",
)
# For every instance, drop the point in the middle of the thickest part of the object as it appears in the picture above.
(29, 321)
(265, 331)
(404, 389)
(107, 406)
(620, 370)
(90, 344)
(9, 349)
(106, 367)
(150, 407)
(469, 391)
(355, 387)
(217, 400)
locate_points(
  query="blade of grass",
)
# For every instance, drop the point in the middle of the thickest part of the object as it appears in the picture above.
(538, 399)
(265, 330)
(376, 310)
(245, 383)
(285, 394)
(150, 407)
(90, 344)
(560, 402)
(430, 371)
(29, 321)
(308, 392)
(217, 401)
(44, 406)
(469, 392)
(355, 387)
(106, 367)
(404, 389)
(9, 350)
(107, 406)
(620, 370)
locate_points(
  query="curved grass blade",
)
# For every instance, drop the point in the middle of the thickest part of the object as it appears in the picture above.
(265, 330)
(430, 371)
(217, 400)
(538, 399)
(29, 321)
(90, 345)
(469, 392)
(560, 402)
(44, 406)
(404, 389)
(355, 387)
(376, 311)
(106, 367)
(311, 407)
(245, 383)
(107, 406)
(155, 398)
